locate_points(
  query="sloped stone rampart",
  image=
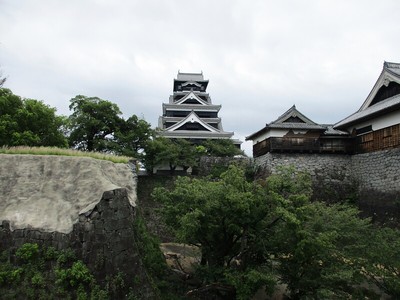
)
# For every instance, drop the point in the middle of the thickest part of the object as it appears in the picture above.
(103, 238)
(378, 171)
(49, 192)
(372, 179)
(83, 204)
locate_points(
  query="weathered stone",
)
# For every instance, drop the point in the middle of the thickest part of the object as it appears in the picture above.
(337, 177)
(105, 242)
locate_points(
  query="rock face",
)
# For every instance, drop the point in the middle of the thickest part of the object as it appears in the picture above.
(78, 203)
(49, 192)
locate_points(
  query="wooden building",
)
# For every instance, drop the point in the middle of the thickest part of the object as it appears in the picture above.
(376, 125)
(294, 132)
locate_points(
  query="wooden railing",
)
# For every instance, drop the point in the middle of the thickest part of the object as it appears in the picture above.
(311, 145)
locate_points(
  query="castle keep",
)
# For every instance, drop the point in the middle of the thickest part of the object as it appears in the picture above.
(190, 113)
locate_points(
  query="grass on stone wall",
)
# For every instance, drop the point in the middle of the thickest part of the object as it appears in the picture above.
(63, 152)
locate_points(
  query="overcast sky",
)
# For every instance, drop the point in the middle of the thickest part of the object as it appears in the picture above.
(260, 56)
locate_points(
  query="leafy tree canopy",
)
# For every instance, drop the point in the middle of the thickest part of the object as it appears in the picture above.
(181, 152)
(252, 233)
(97, 125)
(29, 122)
(91, 121)
(132, 135)
(174, 152)
(2, 79)
(221, 148)
(223, 218)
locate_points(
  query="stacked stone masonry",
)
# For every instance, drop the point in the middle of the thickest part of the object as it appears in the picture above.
(379, 171)
(371, 179)
(103, 238)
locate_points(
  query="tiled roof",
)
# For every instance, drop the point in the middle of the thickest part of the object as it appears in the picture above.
(393, 67)
(282, 121)
(295, 126)
(331, 131)
(190, 76)
(371, 111)
(292, 112)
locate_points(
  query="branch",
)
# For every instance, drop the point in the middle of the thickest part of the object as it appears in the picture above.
(270, 225)
(213, 287)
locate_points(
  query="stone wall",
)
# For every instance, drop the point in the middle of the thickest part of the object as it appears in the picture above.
(103, 238)
(209, 164)
(331, 173)
(81, 203)
(371, 179)
(379, 171)
(378, 174)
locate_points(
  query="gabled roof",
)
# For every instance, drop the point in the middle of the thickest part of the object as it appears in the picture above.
(191, 95)
(192, 118)
(196, 79)
(291, 119)
(375, 105)
(390, 73)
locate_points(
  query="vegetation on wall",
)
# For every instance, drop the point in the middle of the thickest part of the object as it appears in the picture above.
(257, 234)
(44, 273)
(180, 152)
(63, 152)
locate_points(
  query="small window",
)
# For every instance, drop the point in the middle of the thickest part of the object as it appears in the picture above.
(363, 130)
(387, 132)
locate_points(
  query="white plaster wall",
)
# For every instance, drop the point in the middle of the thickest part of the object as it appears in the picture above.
(387, 120)
(271, 133)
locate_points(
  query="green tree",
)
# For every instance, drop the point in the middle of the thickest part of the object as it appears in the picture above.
(187, 154)
(2, 80)
(221, 148)
(92, 123)
(160, 151)
(320, 252)
(132, 135)
(224, 218)
(29, 122)
(174, 152)
(382, 254)
(251, 233)
(321, 249)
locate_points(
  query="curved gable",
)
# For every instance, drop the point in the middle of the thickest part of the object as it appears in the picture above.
(392, 89)
(192, 118)
(191, 98)
(387, 85)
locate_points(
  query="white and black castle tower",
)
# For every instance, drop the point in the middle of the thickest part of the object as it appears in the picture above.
(190, 114)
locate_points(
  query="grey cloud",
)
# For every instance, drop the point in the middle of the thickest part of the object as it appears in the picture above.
(261, 57)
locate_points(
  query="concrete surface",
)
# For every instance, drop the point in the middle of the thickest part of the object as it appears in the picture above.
(49, 192)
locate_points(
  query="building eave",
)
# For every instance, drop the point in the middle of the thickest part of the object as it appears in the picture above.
(379, 109)
(255, 134)
(190, 107)
(196, 134)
